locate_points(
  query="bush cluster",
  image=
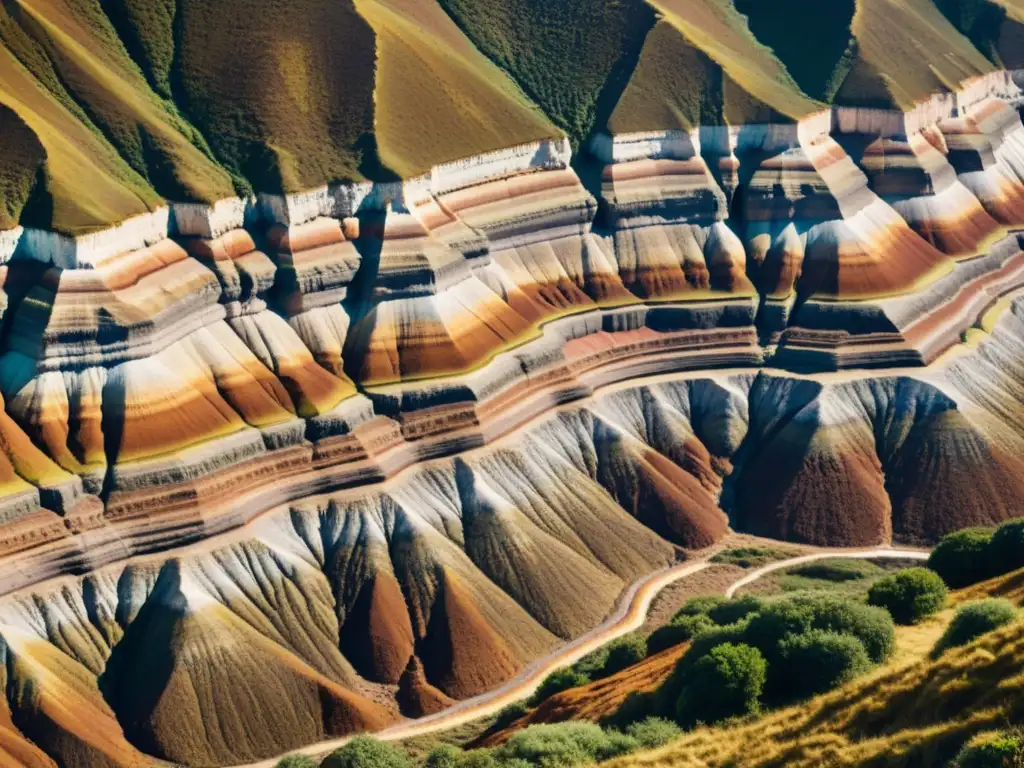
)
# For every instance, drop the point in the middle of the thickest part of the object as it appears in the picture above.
(728, 681)
(976, 554)
(775, 652)
(1002, 749)
(367, 752)
(560, 745)
(296, 761)
(910, 595)
(974, 620)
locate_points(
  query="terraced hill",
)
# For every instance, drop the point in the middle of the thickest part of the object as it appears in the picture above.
(345, 345)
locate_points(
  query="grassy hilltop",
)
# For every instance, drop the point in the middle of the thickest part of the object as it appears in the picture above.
(113, 106)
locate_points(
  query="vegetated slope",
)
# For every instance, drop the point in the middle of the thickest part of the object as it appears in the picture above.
(438, 98)
(875, 53)
(195, 101)
(563, 54)
(756, 86)
(700, 66)
(597, 700)
(995, 27)
(912, 713)
(85, 184)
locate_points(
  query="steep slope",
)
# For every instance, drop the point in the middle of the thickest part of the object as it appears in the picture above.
(916, 713)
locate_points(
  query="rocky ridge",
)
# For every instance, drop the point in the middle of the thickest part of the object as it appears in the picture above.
(372, 440)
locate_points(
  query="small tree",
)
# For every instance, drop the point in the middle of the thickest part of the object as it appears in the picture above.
(681, 629)
(653, 732)
(365, 752)
(1006, 550)
(961, 558)
(444, 756)
(698, 605)
(509, 714)
(296, 761)
(737, 609)
(974, 620)
(624, 653)
(726, 682)
(992, 750)
(819, 661)
(910, 595)
(558, 681)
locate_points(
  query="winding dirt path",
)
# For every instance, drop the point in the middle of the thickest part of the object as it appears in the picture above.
(628, 616)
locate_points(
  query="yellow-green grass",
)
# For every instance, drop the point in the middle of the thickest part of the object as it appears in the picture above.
(86, 184)
(438, 98)
(914, 48)
(914, 711)
(756, 85)
(93, 64)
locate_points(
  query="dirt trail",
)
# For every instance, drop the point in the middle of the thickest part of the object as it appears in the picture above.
(628, 616)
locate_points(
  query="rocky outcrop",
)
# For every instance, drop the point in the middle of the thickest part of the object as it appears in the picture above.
(284, 466)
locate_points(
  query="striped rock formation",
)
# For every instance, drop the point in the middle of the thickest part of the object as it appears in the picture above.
(348, 447)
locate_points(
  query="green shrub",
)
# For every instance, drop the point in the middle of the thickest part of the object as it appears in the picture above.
(623, 653)
(592, 664)
(444, 756)
(837, 569)
(565, 744)
(872, 626)
(992, 750)
(799, 614)
(909, 596)
(365, 752)
(679, 631)
(509, 714)
(737, 609)
(485, 758)
(1006, 550)
(726, 682)
(653, 732)
(558, 681)
(700, 605)
(974, 620)
(299, 761)
(820, 660)
(962, 558)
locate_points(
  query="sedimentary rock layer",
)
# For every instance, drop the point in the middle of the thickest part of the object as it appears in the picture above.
(444, 581)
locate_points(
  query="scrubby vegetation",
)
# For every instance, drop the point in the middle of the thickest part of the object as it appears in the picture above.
(560, 745)
(534, 40)
(909, 595)
(750, 557)
(367, 752)
(1006, 548)
(973, 555)
(297, 761)
(961, 558)
(1003, 749)
(807, 643)
(678, 630)
(974, 620)
(726, 682)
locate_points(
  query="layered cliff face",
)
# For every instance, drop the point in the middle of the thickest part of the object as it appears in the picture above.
(344, 346)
